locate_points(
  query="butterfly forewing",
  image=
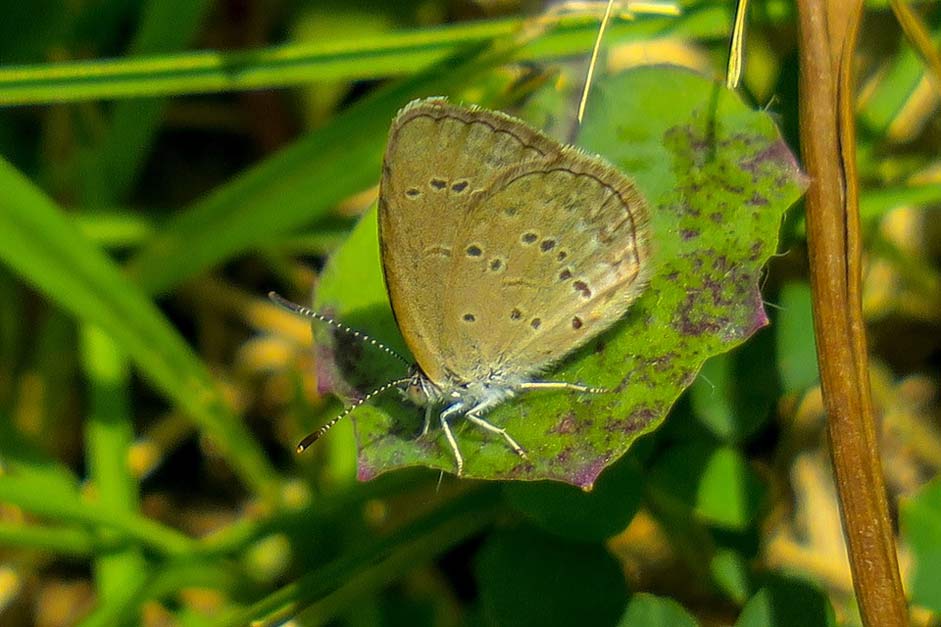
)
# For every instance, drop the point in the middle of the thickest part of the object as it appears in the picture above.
(439, 161)
(563, 253)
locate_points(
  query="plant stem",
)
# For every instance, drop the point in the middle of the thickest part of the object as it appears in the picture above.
(827, 43)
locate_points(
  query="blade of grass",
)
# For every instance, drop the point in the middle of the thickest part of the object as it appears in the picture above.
(391, 54)
(919, 37)
(893, 90)
(877, 202)
(22, 458)
(109, 435)
(73, 542)
(40, 244)
(206, 567)
(110, 168)
(115, 227)
(64, 507)
(298, 185)
(338, 584)
(164, 583)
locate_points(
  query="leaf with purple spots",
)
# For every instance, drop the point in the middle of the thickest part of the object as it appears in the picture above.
(718, 178)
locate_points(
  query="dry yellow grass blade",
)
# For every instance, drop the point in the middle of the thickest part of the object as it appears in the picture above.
(919, 37)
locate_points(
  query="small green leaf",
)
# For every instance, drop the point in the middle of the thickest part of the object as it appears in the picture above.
(718, 178)
(787, 602)
(715, 483)
(734, 393)
(921, 527)
(730, 572)
(527, 578)
(572, 513)
(794, 336)
(647, 610)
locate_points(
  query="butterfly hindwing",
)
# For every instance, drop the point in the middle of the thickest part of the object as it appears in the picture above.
(563, 252)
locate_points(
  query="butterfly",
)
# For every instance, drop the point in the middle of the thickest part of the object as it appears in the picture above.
(503, 251)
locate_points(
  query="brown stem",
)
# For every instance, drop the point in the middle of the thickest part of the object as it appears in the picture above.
(827, 42)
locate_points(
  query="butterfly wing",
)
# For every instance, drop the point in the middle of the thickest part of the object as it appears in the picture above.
(564, 251)
(439, 159)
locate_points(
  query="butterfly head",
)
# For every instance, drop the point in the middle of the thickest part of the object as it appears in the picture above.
(419, 389)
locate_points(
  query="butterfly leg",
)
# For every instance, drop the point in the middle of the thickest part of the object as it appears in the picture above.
(480, 422)
(561, 385)
(428, 411)
(453, 442)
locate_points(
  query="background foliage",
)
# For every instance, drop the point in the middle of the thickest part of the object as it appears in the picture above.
(150, 396)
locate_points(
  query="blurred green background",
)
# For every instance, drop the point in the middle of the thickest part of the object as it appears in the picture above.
(166, 163)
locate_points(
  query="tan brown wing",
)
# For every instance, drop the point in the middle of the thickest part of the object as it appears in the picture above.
(439, 158)
(564, 251)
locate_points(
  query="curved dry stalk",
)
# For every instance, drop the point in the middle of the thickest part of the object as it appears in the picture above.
(827, 44)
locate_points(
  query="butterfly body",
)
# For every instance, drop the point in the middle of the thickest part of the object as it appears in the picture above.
(460, 396)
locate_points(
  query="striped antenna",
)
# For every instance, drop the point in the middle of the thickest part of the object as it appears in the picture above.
(306, 312)
(316, 435)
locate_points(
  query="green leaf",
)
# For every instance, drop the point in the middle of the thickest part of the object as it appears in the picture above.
(787, 602)
(734, 393)
(718, 178)
(715, 483)
(794, 336)
(572, 513)
(647, 610)
(730, 572)
(920, 518)
(527, 578)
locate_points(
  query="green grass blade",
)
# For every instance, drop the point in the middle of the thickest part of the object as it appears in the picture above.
(40, 244)
(390, 54)
(73, 542)
(296, 186)
(109, 435)
(337, 585)
(109, 170)
(64, 507)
